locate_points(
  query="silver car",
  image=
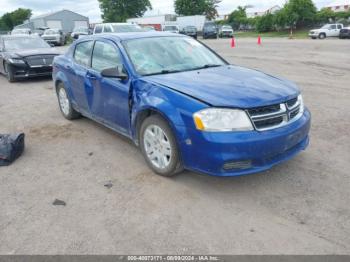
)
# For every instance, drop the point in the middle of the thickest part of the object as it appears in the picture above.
(54, 36)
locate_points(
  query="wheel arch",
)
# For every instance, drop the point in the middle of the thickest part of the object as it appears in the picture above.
(144, 113)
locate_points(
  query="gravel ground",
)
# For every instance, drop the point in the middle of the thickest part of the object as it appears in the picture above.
(116, 205)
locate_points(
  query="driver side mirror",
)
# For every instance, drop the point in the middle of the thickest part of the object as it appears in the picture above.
(114, 72)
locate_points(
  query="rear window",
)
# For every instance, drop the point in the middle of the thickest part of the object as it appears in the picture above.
(82, 53)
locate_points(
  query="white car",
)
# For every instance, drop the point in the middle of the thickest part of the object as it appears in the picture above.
(328, 30)
(226, 31)
(171, 28)
(117, 28)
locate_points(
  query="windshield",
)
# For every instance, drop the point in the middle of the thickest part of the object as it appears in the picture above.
(51, 32)
(170, 28)
(326, 26)
(20, 43)
(227, 27)
(126, 28)
(162, 55)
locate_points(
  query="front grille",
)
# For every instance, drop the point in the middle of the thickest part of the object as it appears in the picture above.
(265, 123)
(273, 116)
(49, 38)
(42, 60)
(264, 110)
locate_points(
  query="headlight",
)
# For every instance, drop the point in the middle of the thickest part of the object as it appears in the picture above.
(16, 61)
(222, 120)
(301, 103)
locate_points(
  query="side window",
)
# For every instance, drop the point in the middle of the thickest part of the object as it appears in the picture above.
(339, 27)
(333, 27)
(82, 53)
(98, 29)
(105, 56)
(107, 29)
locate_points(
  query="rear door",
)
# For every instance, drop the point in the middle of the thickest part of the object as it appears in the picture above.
(81, 87)
(110, 96)
(333, 31)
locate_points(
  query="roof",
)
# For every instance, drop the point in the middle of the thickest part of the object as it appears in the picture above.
(131, 35)
(339, 3)
(53, 13)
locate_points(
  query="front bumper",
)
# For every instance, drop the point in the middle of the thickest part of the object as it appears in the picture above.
(26, 71)
(226, 34)
(313, 35)
(208, 152)
(53, 41)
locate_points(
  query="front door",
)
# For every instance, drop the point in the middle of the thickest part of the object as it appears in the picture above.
(77, 71)
(110, 96)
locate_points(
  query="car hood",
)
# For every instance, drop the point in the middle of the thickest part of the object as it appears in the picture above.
(229, 86)
(40, 51)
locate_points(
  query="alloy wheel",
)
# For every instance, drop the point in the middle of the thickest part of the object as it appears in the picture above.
(157, 146)
(64, 101)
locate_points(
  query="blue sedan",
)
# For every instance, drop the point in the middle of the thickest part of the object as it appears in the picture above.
(181, 103)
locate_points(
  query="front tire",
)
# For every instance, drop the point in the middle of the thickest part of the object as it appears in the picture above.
(158, 146)
(65, 104)
(322, 36)
(9, 73)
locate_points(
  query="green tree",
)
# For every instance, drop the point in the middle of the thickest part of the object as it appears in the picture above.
(197, 7)
(265, 23)
(299, 13)
(324, 15)
(120, 10)
(238, 17)
(17, 17)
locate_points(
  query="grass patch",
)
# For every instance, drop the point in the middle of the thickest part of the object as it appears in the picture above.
(300, 34)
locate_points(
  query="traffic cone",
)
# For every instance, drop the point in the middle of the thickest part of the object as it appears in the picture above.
(259, 40)
(233, 44)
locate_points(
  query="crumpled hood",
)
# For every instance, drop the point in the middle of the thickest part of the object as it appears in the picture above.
(40, 51)
(229, 86)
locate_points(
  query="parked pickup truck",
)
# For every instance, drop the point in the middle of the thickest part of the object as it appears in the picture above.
(327, 30)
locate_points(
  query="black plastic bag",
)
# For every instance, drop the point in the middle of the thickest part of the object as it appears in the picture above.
(11, 148)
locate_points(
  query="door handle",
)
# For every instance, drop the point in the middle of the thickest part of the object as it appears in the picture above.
(91, 76)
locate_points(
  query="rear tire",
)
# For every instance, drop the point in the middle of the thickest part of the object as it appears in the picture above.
(158, 146)
(9, 73)
(65, 104)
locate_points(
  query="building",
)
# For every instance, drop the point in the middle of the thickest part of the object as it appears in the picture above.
(156, 21)
(64, 19)
(251, 13)
(339, 6)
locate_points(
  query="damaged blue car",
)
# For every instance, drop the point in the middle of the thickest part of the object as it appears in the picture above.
(181, 103)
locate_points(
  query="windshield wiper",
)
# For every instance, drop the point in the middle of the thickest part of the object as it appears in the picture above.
(207, 66)
(164, 72)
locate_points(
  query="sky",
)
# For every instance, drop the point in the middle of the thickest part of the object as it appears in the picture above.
(91, 9)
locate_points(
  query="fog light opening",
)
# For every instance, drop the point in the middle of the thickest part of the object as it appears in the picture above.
(234, 165)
